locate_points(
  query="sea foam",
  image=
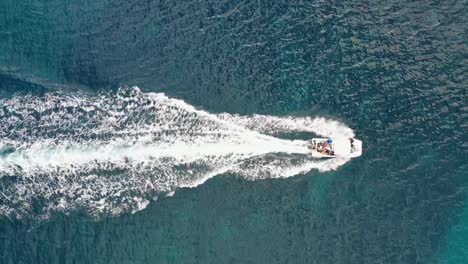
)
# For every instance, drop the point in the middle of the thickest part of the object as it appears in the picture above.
(113, 153)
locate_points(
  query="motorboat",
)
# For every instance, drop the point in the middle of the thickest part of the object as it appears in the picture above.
(335, 147)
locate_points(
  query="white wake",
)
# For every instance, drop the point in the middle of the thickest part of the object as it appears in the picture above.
(109, 154)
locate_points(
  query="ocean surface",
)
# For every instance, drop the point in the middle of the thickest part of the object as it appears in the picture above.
(176, 131)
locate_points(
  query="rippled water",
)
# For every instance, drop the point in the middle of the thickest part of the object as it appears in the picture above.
(253, 76)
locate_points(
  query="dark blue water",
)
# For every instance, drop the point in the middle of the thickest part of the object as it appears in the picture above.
(80, 182)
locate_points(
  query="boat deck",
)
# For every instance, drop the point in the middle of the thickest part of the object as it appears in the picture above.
(340, 146)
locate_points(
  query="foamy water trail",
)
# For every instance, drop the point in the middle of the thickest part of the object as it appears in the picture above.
(110, 154)
(274, 124)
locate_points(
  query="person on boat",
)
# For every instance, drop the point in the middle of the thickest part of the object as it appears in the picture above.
(353, 147)
(323, 150)
(331, 150)
(319, 147)
(328, 147)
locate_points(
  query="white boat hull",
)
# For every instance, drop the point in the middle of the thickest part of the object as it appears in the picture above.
(341, 147)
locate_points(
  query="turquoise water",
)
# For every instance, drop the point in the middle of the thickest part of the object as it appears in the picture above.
(83, 179)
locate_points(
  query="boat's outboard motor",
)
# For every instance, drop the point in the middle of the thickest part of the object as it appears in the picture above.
(313, 145)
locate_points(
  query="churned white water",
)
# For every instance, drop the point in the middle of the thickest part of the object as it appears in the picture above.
(110, 154)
